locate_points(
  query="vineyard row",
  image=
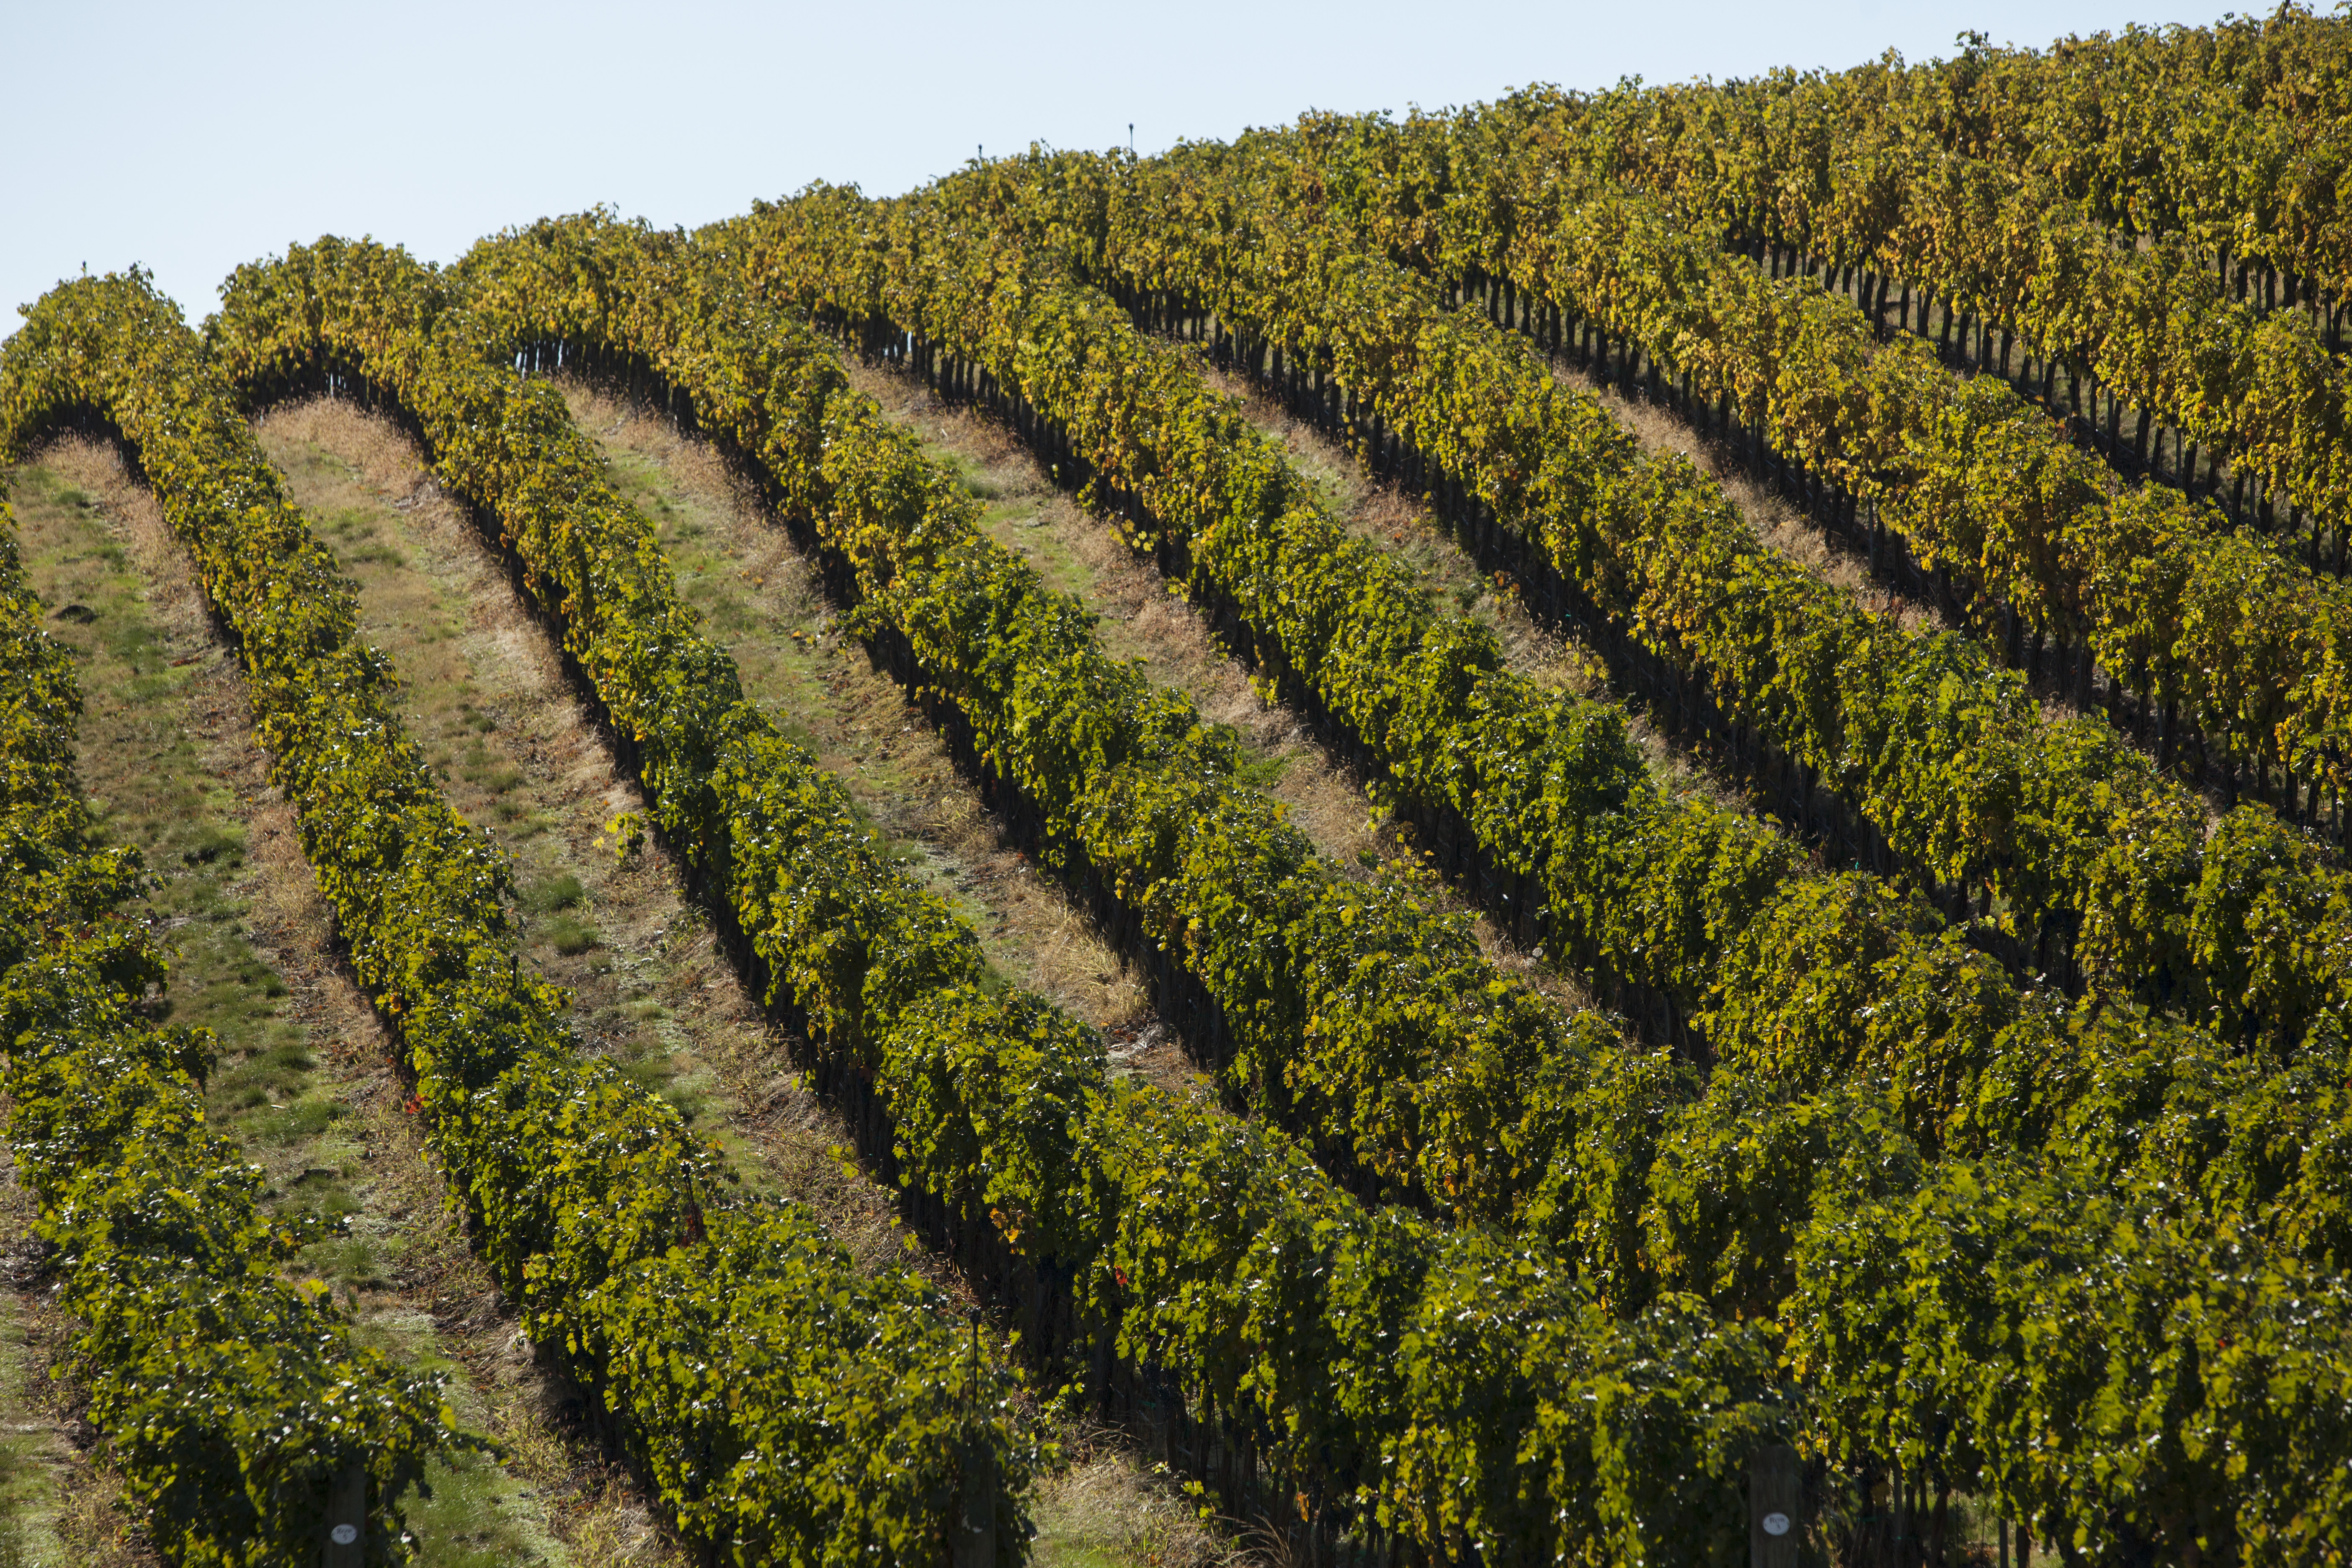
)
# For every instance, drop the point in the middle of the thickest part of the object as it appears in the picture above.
(233, 1400)
(2154, 324)
(784, 1400)
(2219, 639)
(1060, 370)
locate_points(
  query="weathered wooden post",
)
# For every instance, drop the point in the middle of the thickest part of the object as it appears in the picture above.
(975, 1535)
(346, 1525)
(1776, 1508)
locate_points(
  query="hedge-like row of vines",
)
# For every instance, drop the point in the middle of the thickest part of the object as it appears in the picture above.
(1805, 1191)
(1634, 883)
(1475, 1365)
(2231, 135)
(2099, 201)
(2078, 852)
(787, 1406)
(1376, 1361)
(1875, 173)
(2281, 968)
(2215, 636)
(1436, 1376)
(2156, 322)
(230, 1398)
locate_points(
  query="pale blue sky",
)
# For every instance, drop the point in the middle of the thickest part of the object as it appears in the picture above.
(191, 137)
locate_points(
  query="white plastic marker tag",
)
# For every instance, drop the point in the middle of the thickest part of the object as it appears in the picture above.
(344, 1534)
(1776, 1525)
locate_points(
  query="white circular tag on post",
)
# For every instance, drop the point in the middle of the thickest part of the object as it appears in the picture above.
(344, 1534)
(1776, 1525)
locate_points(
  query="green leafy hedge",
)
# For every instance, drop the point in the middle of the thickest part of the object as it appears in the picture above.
(2023, 192)
(787, 1406)
(229, 1396)
(2230, 133)
(1726, 1199)
(1346, 1007)
(1821, 976)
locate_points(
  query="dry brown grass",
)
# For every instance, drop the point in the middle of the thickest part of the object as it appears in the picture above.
(1107, 1508)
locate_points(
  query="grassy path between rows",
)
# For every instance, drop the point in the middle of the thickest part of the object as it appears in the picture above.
(488, 701)
(305, 1082)
(1141, 619)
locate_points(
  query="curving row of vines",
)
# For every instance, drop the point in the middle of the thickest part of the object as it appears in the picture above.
(1306, 1329)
